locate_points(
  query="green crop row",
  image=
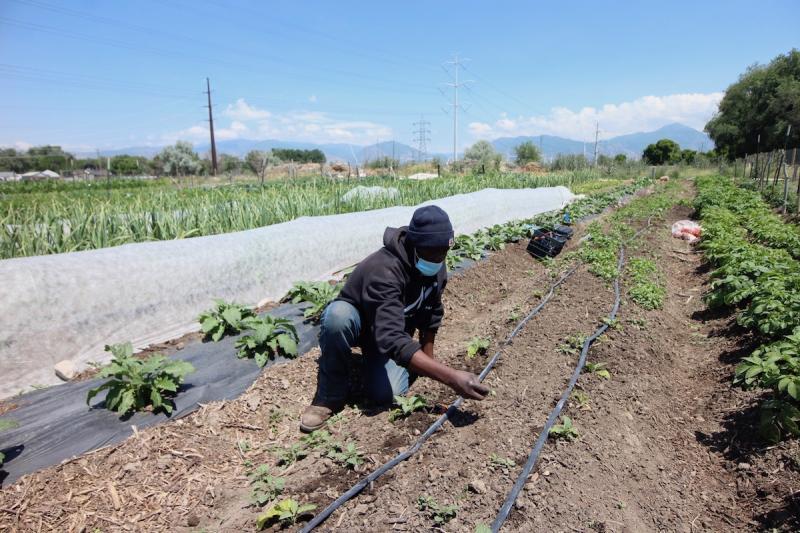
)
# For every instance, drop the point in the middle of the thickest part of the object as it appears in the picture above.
(756, 273)
(73, 219)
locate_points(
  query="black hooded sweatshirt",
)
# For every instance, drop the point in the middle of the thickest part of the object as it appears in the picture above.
(393, 298)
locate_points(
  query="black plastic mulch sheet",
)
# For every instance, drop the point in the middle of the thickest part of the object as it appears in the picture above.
(55, 424)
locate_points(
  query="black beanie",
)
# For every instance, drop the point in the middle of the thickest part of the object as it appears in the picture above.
(430, 228)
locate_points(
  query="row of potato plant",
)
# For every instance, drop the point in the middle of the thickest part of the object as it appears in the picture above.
(756, 273)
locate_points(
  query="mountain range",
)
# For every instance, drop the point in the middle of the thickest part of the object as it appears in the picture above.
(631, 145)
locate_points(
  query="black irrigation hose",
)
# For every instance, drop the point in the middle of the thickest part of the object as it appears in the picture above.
(361, 484)
(551, 419)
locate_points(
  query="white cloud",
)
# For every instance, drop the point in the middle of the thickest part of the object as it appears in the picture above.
(241, 110)
(22, 146)
(643, 114)
(313, 98)
(250, 122)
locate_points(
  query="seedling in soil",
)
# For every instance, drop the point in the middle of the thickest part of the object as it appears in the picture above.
(275, 417)
(477, 346)
(266, 487)
(244, 446)
(286, 512)
(292, 454)
(347, 455)
(480, 527)
(612, 323)
(537, 294)
(139, 383)
(318, 293)
(565, 430)
(316, 439)
(224, 319)
(572, 345)
(6, 424)
(581, 398)
(338, 417)
(514, 315)
(406, 406)
(599, 369)
(498, 462)
(638, 323)
(271, 337)
(440, 514)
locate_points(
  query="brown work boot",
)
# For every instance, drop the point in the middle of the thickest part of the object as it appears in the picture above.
(315, 416)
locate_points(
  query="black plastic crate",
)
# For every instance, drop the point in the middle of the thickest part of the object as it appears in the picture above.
(563, 230)
(545, 244)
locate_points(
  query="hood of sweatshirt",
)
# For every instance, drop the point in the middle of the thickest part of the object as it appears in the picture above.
(394, 239)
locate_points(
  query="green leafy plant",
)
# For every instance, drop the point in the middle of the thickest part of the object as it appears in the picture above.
(265, 486)
(317, 439)
(317, 293)
(440, 514)
(271, 337)
(598, 368)
(139, 383)
(4, 425)
(480, 527)
(565, 430)
(477, 346)
(502, 463)
(581, 398)
(406, 406)
(286, 512)
(346, 454)
(572, 345)
(646, 288)
(224, 319)
(291, 454)
(514, 315)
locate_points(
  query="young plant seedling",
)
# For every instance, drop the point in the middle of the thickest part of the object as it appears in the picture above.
(565, 430)
(244, 445)
(498, 462)
(275, 417)
(440, 514)
(347, 455)
(317, 439)
(271, 337)
(266, 487)
(480, 527)
(581, 398)
(337, 418)
(514, 315)
(572, 345)
(317, 293)
(406, 406)
(286, 512)
(137, 383)
(4, 425)
(224, 319)
(612, 323)
(292, 454)
(477, 346)
(599, 369)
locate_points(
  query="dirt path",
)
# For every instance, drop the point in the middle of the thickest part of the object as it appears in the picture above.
(665, 444)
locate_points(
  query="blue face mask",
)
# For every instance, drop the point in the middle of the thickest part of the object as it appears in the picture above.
(427, 268)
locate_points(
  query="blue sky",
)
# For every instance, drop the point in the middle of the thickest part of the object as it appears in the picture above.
(92, 74)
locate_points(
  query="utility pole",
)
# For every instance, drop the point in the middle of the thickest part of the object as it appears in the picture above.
(211, 129)
(541, 148)
(456, 84)
(422, 136)
(596, 136)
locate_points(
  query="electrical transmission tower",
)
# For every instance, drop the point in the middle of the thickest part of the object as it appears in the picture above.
(422, 136)
(456, 63)
(211, 129)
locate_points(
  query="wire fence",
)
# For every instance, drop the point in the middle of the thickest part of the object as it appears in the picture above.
(776, 174)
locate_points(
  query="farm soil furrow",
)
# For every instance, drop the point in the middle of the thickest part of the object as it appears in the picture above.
(194, 470)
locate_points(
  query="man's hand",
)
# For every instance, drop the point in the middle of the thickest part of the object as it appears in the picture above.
(466, 384)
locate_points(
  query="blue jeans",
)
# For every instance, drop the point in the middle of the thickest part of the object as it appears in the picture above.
(382, 377)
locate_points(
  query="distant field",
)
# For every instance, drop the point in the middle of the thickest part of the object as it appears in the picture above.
(52, 217)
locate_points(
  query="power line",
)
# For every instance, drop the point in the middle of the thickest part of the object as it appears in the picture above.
(422, 137)
(456, 84)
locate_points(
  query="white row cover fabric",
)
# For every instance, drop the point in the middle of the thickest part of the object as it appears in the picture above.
(68, 306)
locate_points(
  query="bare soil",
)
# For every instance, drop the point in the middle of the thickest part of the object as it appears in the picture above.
(665, 444)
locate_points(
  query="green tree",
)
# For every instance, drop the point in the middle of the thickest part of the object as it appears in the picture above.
(764, 101)
(620, 159)
(259, 161)
(482, 154)
(688, 156)
(569, 162)
(126, 165)
(11, 160)
(527, 152)
(230, 164)
(180, 160)
(48, 157)
(663, 152)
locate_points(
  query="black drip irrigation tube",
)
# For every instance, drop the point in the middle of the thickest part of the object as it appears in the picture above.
(402, 456)
(505, 509)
